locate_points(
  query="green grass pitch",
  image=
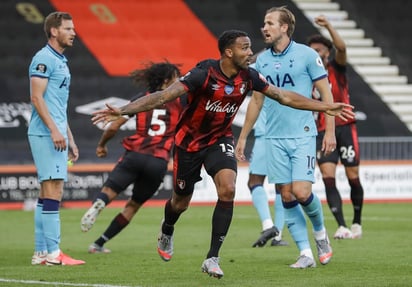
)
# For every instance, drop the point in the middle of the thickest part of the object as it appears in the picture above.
(383, 257)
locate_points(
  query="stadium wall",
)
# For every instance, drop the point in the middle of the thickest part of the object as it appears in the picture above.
(96, 81)
(111, 41)
(387, 181)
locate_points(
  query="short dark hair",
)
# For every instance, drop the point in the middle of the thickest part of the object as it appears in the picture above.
(153, 75)
(321, 40)
(228, 38)
(54, 20)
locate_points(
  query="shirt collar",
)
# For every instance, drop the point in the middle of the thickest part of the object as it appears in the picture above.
(57, 54)
(284, 52)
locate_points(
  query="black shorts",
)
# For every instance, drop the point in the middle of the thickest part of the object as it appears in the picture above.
(146, 172)
(347, 146)
(187, 165)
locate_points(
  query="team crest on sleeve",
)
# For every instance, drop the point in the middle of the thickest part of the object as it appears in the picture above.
(319, 62)
(42, 68)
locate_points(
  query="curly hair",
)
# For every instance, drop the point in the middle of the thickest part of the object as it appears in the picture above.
(321, 40)
(154, 75)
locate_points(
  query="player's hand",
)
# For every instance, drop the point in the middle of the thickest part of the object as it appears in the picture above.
(341, 110)
(59, 140)
(73, 152)
(106, 116)
(101, 151)
(328, 143)
(321, 20)
(240, 150)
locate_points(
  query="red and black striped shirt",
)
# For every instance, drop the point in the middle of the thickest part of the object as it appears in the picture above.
(155, 131)
(340, 91)
(213, 101)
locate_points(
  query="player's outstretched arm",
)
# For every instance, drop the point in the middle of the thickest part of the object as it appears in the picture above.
(341, 110)
(107, 115)
(142, 104)
(297, 101)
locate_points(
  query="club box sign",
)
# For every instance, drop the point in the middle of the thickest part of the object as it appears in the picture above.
(382, 181)
(82, 184)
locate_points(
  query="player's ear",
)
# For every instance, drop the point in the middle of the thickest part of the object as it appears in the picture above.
(53, 32)
(284, 27)
(229, 52)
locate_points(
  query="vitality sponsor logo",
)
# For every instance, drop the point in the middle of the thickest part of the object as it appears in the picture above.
(219, 107)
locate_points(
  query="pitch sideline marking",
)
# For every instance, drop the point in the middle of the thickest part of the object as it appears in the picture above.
(59, 283)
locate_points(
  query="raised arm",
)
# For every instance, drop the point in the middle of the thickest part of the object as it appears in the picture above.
(338, 42)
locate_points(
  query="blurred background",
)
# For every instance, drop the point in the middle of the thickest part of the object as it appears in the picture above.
(117, 36)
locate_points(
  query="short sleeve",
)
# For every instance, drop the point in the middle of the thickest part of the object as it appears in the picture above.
(41, 66)
(259, 82)
(196, 77)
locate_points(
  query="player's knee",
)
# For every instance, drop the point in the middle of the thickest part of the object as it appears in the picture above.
(180, 203)
(227, 191)
(111, 191)
(302, 196)
(288, 197)
(253, 187)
